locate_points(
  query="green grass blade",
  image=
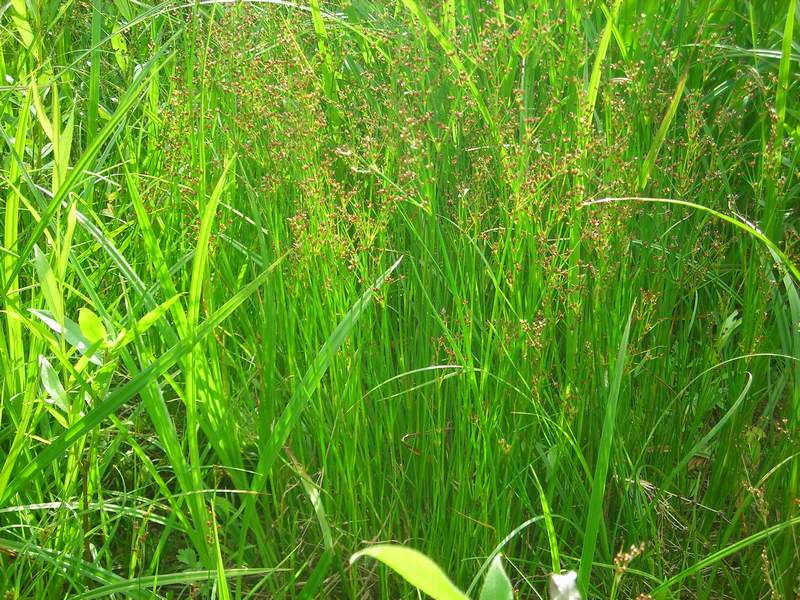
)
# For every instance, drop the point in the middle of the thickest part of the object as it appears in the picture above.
(137, 585)
(291, 414)
(587, 111)
(595, 512)
(662, 591)
(661, 133)
(552, 539)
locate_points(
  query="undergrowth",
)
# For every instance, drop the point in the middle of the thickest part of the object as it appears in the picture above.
(281, 281)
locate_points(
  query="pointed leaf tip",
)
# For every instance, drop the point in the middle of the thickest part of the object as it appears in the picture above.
(497, 585)
(416, 568)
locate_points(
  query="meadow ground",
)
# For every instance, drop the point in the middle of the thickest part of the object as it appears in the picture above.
(280, 281)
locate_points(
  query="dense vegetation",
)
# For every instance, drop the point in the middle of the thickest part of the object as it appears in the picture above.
(280, 281)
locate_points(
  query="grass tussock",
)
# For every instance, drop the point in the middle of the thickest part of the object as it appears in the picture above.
(280, 281)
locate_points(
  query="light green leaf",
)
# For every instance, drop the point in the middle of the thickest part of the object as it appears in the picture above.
(148, 320)
(48, 284)
(416, 568)
(497, 586)
(41, 115)
(19, 16)
(120, 47)
(452, 52)
(91, 326)
(52, 385)
(71, 332)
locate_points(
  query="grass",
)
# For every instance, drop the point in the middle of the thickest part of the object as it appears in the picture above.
(280, 282)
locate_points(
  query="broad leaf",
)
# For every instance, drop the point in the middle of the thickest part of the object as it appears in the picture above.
(91, 326)
(48, 284)
(497, 586)
(71, 332)
(416, 568)
(52, 385)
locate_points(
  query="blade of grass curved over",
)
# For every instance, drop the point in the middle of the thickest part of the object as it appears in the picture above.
(777, 252)
(128, 587)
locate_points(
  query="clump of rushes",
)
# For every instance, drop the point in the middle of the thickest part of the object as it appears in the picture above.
(217, 380)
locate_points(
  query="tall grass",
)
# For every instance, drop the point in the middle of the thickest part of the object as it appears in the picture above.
(281, 281)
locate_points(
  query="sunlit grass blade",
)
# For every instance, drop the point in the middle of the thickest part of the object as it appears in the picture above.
(197, 369)
(121, 395)
(661, 132)
(76, 174)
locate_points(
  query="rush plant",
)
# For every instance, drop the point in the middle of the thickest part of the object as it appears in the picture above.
(283, 282)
